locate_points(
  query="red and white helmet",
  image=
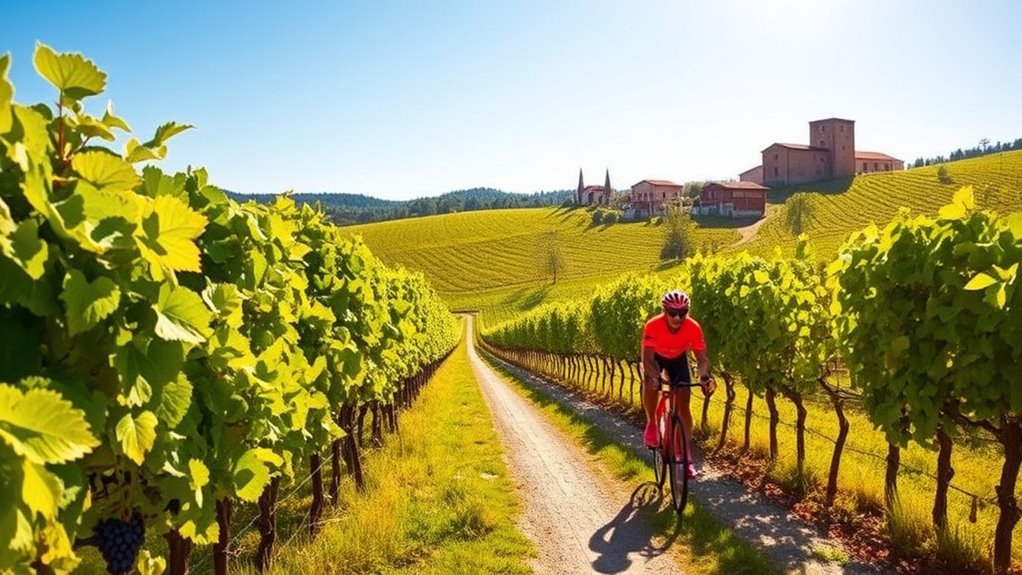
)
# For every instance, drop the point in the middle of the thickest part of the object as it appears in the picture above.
(675, 300)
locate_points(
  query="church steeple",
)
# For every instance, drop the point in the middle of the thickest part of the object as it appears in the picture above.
(606, 183)
(581, 186)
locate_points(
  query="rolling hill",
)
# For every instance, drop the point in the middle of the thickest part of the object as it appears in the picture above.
(843, 206)
(493, 260)
(474, 254)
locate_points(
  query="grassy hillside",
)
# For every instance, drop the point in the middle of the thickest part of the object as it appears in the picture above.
(843, 206)
(469, 253)
(492, 260)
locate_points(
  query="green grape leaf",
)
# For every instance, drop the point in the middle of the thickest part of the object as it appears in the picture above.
(980, 281)
(40, 489)
(16, 530)
(110, 120)
(199, 524)
(24, 247)
(137, 435)
(1014, 225)
(198, 477)
(964, 197)
(6, 95)
(175, 400)
(88, 303)
(953, 211)
(105, 170)
(165, 132)
(134, 152)
(156, 183)
(42, 426)
(72, 74)
(146, 564)
(147, 366)
(92, 128)
(167, 236)
(250, 476)
(181, 315)
(198, 474)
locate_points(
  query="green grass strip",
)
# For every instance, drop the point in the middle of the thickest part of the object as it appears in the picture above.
(439, 498)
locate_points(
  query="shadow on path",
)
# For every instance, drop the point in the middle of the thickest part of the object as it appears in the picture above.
(623, 534)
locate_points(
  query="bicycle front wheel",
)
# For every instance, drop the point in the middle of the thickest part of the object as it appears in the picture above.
(677, 468)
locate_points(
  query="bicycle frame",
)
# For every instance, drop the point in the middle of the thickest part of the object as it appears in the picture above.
(667, 455)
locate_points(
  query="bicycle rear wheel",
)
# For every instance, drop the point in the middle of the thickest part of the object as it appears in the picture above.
(677, 466)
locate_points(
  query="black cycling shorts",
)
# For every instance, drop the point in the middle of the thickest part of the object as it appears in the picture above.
(677, 369)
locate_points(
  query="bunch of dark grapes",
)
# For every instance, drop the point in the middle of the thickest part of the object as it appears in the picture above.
(119, 542)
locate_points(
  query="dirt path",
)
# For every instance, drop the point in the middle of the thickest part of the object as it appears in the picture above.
(769, 526)
(578, 520)
(749, 232)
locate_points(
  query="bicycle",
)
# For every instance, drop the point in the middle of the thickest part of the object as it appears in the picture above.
(665, 460)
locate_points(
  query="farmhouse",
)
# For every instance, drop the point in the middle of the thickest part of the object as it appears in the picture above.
(737, 199)
(830, 154)
(651, 197)
(593, 195)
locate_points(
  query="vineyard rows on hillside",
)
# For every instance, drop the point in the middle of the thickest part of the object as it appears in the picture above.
(877, 198)
(481, 251)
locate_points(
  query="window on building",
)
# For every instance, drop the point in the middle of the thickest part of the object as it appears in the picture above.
(865, 168)
(776, 157)
(842, 128)
(823, 128)
(775, 170)
(876, 166)
(887, 167)
(823, 144)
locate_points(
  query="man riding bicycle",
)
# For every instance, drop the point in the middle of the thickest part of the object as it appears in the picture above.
(666, 339)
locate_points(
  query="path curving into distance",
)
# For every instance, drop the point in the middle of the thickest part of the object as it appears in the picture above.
(579, 521)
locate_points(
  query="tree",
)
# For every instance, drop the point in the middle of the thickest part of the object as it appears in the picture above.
(798, 212)
(677, 235)
(943, 176)
(553, 262)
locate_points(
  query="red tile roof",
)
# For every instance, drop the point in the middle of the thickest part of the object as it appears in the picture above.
(738, 185)
(658, 183)
(795, 147)
(860, 155)
(830, 119)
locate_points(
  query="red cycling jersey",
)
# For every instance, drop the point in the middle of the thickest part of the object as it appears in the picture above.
(657, 335)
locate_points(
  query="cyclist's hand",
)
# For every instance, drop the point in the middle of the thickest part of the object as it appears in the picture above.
(708, 385)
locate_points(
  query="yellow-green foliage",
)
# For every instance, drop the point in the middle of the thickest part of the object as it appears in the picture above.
(487, 250)
(840, 207)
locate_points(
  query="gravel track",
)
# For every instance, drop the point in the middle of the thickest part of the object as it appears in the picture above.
(582, 523)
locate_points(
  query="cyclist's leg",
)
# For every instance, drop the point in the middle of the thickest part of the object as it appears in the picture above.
(682, 395)
(650, 397)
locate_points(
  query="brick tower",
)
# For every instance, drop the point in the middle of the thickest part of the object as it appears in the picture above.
(837, 136)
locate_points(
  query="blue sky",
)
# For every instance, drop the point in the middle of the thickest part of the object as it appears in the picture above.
(406, 99)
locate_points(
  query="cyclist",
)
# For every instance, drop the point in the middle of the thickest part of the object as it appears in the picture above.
(666, 340)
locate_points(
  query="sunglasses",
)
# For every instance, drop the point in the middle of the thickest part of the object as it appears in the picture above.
(676, 313)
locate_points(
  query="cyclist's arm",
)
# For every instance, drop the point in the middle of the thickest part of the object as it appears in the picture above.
(703, 363)
(650, 371)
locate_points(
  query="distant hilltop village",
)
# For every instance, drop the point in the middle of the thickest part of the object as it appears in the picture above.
(830, 154)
